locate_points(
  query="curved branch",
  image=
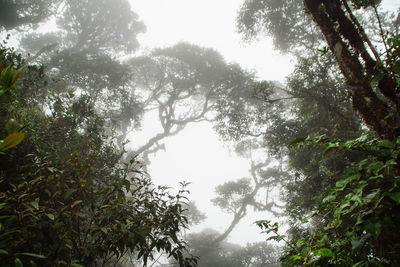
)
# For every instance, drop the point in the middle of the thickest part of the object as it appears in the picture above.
(361, 30)
(249, 201)
(41, 51)
(236, 219)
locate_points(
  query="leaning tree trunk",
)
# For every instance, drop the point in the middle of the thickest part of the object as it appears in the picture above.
(349, 44)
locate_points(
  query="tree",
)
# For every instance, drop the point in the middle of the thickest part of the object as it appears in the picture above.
(193, 214)
(282, 20)
(352, 216)
(269, 117)
(357, 56)
(95, 26)
(183, 84)
(89, 38)
(227, 254)
(320, 107)
(235, 197)
(124, 91)
(17, 13)
(349, 44)
(66, 198)
(100, 26)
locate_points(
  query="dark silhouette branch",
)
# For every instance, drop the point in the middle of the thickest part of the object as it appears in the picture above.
(41, 51)
(249, 200)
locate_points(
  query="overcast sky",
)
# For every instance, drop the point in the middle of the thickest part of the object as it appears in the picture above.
(209, 23)
(197, 155)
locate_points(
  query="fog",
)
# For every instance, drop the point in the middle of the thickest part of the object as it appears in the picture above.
(197, 155)
(215, 120)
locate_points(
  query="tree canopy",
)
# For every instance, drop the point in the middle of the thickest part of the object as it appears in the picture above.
(73, 193)
(340, 133)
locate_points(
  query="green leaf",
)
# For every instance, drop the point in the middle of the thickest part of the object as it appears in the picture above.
(35, 204)
(292, 258)
(6, 76)
(395, 196)
(18, 263)
(356, 198)
(15, 75)
(69, 193)
(324, 252)
(51, 216)
(76, 203)
(300, 242)
(368, 198)
(341, 184)
(374, 227)
(277, 238)
(127, 184)
(31, 255)
(390, 162)
(306, 219)
(11, 141)
(297, 141)
(329, 147)
(385, 143)
(360, 263)
(52, 169)
(396, 68)
(338, 212)
(3, 252)
(375, 167)
(329, 198)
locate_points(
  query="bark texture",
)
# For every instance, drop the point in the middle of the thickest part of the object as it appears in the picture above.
(379, 107)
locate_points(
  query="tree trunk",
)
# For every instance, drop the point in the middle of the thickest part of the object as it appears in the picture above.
(348, 46)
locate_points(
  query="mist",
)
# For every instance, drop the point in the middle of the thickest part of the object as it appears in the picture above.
(199, 133)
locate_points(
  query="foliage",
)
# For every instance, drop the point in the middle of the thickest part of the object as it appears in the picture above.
(91, 37)
(22, 12)
(346, 184)
(246, 112)
(269, 116)
(66, 199)
(282, 20)
(85, 25)
(356, 223)
(223, 254)
(192, 213)
(183, 84)
(101, 24)
(393, 56)
(350, 46)
(232, 194)
(8, 78)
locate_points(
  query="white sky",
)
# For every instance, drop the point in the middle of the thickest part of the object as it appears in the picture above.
(196, 155)
(209, 23)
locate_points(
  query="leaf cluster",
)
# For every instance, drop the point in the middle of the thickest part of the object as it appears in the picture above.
(65, 198)
(356, 221)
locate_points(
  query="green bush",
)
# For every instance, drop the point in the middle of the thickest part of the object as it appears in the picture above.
(65, 198)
